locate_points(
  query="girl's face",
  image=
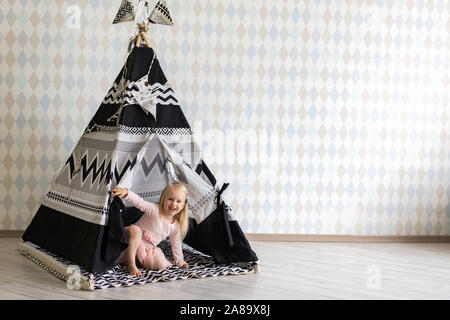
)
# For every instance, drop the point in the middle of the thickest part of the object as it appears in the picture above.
(174, 201)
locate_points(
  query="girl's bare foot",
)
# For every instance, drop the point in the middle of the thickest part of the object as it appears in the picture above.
(134, 271)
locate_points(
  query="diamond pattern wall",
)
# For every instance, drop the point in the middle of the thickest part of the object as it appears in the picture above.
(333, 115)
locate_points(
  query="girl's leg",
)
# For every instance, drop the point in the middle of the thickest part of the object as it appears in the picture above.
(160, 260)
(134, 239)
(154, 259)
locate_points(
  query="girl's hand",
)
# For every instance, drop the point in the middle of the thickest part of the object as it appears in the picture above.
(121, 192)
(184, 266)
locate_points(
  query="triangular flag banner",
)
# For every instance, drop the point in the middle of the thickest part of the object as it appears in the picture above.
(128, 8)
(160, 14)
(125, 13)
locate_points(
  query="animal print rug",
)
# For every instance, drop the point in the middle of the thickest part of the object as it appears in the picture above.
(200, 266)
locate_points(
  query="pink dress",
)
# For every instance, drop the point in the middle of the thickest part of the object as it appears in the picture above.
(155, 229)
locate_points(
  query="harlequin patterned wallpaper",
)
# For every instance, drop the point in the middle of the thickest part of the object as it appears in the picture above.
(327, 117)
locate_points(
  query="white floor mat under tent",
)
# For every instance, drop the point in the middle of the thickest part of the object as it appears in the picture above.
(200, 266)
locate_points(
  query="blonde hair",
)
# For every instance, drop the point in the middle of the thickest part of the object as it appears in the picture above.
(183, 216)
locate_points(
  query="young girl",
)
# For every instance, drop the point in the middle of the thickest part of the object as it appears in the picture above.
(168, 218)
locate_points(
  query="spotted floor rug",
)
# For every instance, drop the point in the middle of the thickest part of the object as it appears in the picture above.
(200, 266)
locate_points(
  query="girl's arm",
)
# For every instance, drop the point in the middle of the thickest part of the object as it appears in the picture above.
(177, 250)
(134, 199)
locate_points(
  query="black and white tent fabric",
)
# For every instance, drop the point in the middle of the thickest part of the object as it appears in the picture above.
(140, 139)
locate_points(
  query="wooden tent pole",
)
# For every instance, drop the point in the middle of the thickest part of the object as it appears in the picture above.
(143, 28)
(138, 40)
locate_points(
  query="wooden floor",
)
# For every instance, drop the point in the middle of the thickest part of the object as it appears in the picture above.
(291, 270)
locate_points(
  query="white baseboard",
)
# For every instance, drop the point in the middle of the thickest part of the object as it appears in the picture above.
(342, 238)
(305, 237)
(11, 233)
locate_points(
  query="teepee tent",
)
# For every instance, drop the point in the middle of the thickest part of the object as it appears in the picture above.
(139, 138)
